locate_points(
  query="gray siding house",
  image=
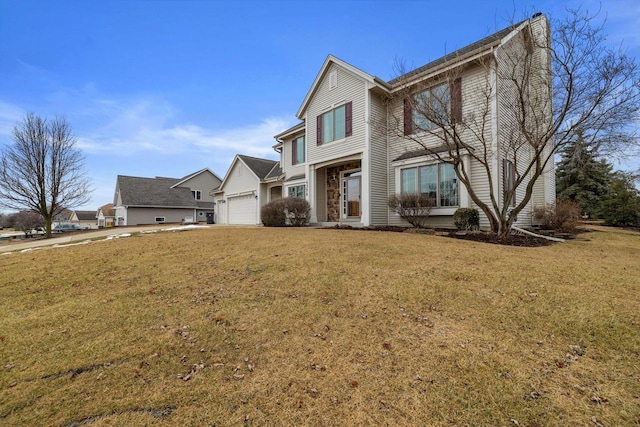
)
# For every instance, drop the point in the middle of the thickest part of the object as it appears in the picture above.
(157, 200)
(346, 160)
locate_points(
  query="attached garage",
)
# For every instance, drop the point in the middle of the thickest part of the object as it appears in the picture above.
(243, 210)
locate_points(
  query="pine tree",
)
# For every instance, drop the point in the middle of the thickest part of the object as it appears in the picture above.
(582, 177)
(621, 207)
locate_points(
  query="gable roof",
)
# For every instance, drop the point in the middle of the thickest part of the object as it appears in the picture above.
(137, 191)
(275, 172)
(85, 215)
(260, 167)
(327, 63)
(193, 175)
(107, 210)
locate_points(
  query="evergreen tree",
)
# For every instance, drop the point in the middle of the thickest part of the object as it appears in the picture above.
(621, 207)
(581, 177)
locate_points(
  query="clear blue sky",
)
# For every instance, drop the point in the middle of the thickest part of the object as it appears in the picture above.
(165, 88)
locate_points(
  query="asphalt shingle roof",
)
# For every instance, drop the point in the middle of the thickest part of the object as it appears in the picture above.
(276, 171)
(137, 191)
(85, 215)
(261, 167)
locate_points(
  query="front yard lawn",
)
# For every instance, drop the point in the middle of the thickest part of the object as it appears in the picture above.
(281, 326)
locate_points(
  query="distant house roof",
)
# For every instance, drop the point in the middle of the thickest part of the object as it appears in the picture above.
(107, 210)
(155, 192)
(260, 167)
(85, 215)
(64, 215)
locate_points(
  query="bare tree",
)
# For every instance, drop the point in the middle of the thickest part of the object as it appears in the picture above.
(27, 222)
(545, 88)
(43, 170)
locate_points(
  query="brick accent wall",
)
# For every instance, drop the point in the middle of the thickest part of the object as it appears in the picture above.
(333, 189)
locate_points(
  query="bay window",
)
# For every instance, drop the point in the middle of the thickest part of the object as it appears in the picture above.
(438, 182)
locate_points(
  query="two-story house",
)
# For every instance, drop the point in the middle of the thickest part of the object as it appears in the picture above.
(356, 145)
(139, 200)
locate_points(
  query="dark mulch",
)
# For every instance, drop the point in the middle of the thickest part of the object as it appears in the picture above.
(510, 240)
(476, 236)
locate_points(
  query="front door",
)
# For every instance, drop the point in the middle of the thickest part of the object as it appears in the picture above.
(351, 194)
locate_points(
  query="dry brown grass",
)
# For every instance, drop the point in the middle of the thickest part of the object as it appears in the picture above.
(321, 327)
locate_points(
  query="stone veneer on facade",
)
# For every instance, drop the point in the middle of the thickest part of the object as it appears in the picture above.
(333, 189)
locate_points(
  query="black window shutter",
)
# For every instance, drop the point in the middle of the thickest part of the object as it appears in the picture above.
(319, 130)
(408, 117)
(456, 100)
(348, 114)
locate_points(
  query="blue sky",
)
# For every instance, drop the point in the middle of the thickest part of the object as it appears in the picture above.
(165, 88)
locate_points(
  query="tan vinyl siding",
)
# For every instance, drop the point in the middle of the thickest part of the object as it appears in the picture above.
(511, 142)
(286, 160)
(474, 103)
(350, 88)
(140, 216)
(240, 180)
(205, 182)
(482, 189)
(378, 162)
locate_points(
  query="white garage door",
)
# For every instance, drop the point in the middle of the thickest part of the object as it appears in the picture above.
(243, 210)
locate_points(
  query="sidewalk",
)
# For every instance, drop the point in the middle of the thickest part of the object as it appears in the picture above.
(61, 239)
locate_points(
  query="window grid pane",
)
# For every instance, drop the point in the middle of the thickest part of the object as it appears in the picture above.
(408, 181)
(339, 122)
(429, 182)
(300, 150)
(448, 186)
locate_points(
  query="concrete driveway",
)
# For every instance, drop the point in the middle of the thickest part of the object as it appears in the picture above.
(62, 239)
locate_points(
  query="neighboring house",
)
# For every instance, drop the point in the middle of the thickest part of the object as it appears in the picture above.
(165, 200)
(249, 183)
(106, 216)
(63, 216)
(346, 166)
(84, 218)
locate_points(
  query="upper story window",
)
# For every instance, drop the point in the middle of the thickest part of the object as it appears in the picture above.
(297, 151)
(334, 124)
(197, 194)
(431, 108)
(438, 182)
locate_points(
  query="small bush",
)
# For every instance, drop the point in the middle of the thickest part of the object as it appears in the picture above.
(297, 211)
(466, 219)
(412, 207)
(563, 216)
(289, 211)
(273, 214)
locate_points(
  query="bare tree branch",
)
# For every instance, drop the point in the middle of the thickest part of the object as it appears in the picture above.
(540, 91)
(43, 171)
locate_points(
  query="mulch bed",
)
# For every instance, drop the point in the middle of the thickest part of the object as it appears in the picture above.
(476, 236)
